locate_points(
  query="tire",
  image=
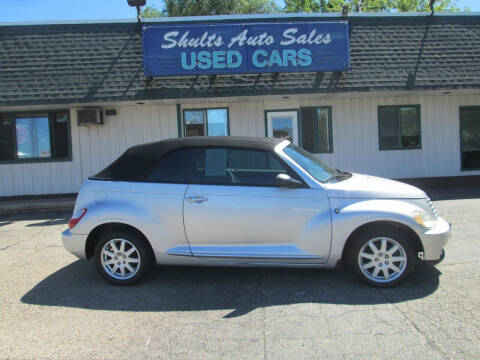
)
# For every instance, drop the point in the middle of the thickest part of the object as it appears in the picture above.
(376, 267)
(125, 264)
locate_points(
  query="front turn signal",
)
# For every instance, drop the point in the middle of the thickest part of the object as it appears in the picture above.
(423, 219)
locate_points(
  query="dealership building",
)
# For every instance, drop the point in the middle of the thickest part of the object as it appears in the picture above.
(393, 95)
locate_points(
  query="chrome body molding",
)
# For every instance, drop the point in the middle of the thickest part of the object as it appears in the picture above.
(252, 252)
(181, 250)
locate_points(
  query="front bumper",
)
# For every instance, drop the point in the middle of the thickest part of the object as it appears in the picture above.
(435, 262)
(435, 239)
(74, 243)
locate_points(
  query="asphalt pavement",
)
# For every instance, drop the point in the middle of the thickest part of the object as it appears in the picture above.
(55, 306)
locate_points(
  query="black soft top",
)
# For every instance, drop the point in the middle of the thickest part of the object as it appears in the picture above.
(165, 146)
(138, 159)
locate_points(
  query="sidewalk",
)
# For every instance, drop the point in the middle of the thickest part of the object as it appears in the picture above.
(35, 204)
(448, 188)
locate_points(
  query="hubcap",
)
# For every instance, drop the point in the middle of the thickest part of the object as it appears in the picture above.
(382, 259)
(120, 259)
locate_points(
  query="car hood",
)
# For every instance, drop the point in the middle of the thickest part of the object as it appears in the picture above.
(371, 187)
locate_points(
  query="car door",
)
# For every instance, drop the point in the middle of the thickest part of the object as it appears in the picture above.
(233, 213)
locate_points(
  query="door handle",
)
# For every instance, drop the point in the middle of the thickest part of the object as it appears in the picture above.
(196, 199)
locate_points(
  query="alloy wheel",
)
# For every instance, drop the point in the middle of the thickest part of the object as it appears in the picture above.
(120, 259)
(382, 259)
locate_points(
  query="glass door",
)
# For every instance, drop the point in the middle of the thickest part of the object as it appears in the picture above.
(470, 137)
(283, 124)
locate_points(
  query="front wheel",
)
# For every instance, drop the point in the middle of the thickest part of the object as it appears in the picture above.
(122, 257)
(382, 258)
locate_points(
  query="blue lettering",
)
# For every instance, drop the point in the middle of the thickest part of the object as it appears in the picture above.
(204, 60)
(219, 60)
(184, 61)
(304, 57)
(255, 60)
(233, 59)
(275, 58)
(231, 63)
(290, 56)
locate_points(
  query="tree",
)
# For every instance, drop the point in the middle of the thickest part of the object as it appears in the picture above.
(198, 7)
(372, 5)
(151, 12)
(368, 5)
(212, 7)
(424, 5)
(227, 7)
(299, 6)
(256, 7)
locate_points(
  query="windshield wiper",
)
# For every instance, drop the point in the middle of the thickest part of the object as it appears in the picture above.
(339, 172)
(340, 175)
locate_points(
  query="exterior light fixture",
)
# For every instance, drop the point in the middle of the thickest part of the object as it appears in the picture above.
(135, 3)
(432, 3)
(138, 4)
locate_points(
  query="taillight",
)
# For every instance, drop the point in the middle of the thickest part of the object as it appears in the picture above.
(74, 221)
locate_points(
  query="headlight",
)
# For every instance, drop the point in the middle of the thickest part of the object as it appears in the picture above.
(423, 219)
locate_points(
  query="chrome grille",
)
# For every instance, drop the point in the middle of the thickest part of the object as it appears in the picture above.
(430, 204)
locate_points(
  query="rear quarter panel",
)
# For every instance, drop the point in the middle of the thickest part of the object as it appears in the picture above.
(154, 209)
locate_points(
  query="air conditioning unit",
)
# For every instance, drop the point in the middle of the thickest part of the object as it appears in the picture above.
(90, 116)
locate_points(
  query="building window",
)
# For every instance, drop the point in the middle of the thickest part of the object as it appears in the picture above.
(206, 122)
(316, 129)
(34, 136)
(282, 124)
(399, 127)
(470, 137)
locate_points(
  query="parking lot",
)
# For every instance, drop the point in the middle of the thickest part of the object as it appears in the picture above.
(55, 306)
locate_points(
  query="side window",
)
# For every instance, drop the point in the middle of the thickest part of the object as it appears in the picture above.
(254, 160)
(175, 167)
(236, 166)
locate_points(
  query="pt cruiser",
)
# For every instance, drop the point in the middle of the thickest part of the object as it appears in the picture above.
(233, 201)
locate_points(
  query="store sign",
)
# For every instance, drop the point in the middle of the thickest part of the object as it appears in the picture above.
(233, 48)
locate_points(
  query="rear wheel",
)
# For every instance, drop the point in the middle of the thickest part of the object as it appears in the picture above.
(382, 257)
(122, 257)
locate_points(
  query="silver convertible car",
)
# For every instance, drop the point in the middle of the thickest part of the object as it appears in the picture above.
(239, 201)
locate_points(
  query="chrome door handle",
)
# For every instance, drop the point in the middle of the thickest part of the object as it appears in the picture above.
(196, 199)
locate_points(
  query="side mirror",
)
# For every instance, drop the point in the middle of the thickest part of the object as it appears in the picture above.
(285, 180)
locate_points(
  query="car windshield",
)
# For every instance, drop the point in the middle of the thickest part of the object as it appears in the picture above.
(310, 163)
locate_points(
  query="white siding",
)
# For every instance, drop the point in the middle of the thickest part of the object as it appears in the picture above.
(355, 135)
(42, 178)
(100, 145)
(355, 139)
(93, 148)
